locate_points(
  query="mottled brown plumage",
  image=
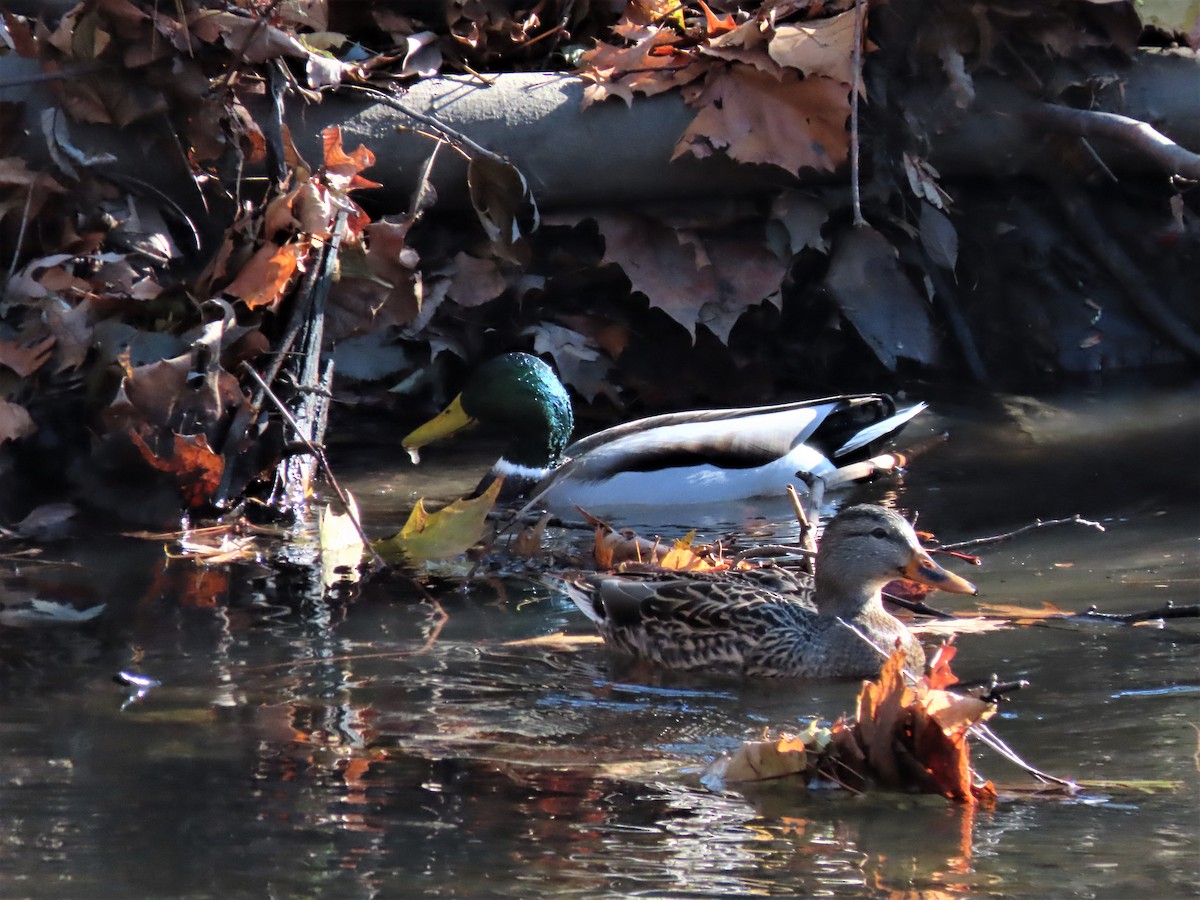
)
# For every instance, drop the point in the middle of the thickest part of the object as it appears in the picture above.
(771, 622)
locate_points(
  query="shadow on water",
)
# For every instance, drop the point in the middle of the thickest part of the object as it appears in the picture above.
(365, 744)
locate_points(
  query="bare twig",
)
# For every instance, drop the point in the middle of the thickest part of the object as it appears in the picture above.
(1133, 133)
(855, 198)
(808, 531)
(450, 134)
(320, 457)
(1166, 611)
(1040, 523)
(12, 267)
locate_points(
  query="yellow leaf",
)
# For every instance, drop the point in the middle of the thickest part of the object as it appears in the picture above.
(445, 533)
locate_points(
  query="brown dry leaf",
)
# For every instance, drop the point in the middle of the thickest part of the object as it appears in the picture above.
(746, 44)
(681, 557)
(504, 204)
(817, 47)
(612, 548)
(803, 217)
(669, 266)
(265, 278)
(881, 705)
(475, 281)
(25, 360)
(745, 273)
(15, 422)
(762, 760)
(651, 66)
(578, 363)
(529, 542)
(877, 298)
(756, 118)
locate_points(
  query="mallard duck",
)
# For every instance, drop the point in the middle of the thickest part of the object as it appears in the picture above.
(702, 456)
(829, 626)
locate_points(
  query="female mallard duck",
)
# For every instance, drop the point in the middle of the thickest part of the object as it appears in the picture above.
(828, 626)
(704, 456)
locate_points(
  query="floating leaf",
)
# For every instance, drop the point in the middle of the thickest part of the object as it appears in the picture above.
(341, 546)
(443, 534)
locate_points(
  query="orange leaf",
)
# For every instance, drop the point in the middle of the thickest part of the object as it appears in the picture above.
(197, 470)
(714, 24)
(265, 278)
(341, 168)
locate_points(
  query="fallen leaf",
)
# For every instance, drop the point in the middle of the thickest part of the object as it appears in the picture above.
(196, 468)
(817, 47)
(15, 422)
(939, 237)
(790, 123)
(443, 534)
(25, 360)
(265, 278)
(877, 298)
(341, 546)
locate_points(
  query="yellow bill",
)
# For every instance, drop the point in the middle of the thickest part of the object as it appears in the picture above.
(450, 420)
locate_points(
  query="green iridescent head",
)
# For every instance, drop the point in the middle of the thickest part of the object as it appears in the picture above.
(515, 394)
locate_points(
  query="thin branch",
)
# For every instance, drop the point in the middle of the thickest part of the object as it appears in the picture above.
(320, 456)
(1166, 611)
(1040, 523)
(1133, 133)
(452, 135)
(855, 198)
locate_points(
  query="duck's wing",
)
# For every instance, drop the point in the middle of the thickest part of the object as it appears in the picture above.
(847, 427)
(690, 622)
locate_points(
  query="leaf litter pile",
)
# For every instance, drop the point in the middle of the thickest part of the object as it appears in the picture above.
(136, 293)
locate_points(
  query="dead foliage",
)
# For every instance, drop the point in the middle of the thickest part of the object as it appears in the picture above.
(130, 304)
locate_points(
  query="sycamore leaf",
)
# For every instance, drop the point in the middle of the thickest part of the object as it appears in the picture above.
(756, 118)
(817, 47)
(443, 534)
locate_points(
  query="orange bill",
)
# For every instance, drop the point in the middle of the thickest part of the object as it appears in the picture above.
(923, 570)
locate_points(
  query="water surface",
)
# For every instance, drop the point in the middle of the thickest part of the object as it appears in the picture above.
(370, 742)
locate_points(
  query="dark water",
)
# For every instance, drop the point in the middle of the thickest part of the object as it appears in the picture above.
(304, 744)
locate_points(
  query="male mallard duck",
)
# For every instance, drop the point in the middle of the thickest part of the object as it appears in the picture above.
(765, 624)
(703, 456)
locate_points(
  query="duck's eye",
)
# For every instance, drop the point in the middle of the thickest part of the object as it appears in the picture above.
(880, 532)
